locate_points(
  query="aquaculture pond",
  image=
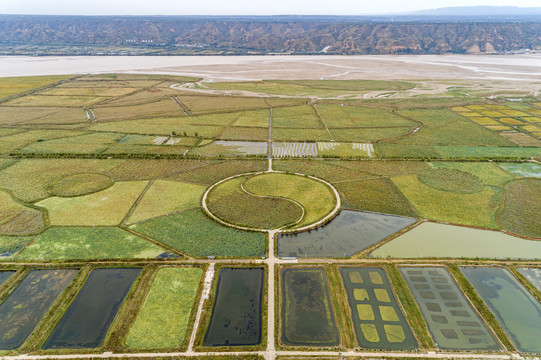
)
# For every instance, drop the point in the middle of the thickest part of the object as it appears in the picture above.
(26, 305)
(450, 317)
(439, 240)
(4, 275)
(379, 323)
(307, 316)
(533, 275)
(236, 316)
(514, 307)
(347, 234)
(85, 323)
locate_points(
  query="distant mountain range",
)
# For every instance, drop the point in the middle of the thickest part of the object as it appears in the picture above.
(468, 11)
(440, 31)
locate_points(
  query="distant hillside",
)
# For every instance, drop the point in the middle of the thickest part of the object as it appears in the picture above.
(287, 34)
(481, 11)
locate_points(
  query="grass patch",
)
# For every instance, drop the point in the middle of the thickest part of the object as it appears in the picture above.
(315, 197)
(165, 197)
(451, 180)
(30, 179)
(488, 173)
(445, 127)
(475, 209)
(332, 172)
(487, 152)
(195, 234)
(17, 219)
(296, 117)
(295, 134)
(522, 169)
(80, 184)
(385, 168)
(378, 195)
(249, 133)
(12, 245)
(258, 118)
(220, 170)
(336, 116)
(16, 85)
(522, 207)
(163, 319)
(107, 207)
(82, 243)
(400, 151)
(230, 203)
(80, 144)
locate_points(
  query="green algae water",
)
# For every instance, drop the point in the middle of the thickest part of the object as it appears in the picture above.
(514, 307)
(439, 240)
(24, 308)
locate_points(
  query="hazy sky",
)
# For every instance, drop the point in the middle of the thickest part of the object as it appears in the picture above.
(236, 7)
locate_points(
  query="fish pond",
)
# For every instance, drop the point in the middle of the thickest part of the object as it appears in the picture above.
(307, 316)
(5, 275)
(236, 316)
(87, 320)
(533, 275)
(347, 234)
(439, 240)
(452, 321)
(379, 323)
(28, 303)
(514, 307)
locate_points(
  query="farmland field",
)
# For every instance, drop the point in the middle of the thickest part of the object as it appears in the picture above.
(163, 319)
(193, 233)
(120, 178)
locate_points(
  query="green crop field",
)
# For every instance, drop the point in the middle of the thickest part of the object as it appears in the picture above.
(106, 207)
(193, 233)
(163, 320)
(16, 85)
(166, 197)
(476, 209)
(521, 207)
(81, 243)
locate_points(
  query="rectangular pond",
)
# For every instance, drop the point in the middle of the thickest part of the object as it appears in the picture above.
(452, 321)
(307, 315)
(87, 320)
(517, 311)
(5, 275)
(236, 316)
(25, 306)
(533, 275)
(440, 240)
(347, 234)
(377, 318)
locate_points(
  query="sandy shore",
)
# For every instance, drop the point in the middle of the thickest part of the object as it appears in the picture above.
(508, 68)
